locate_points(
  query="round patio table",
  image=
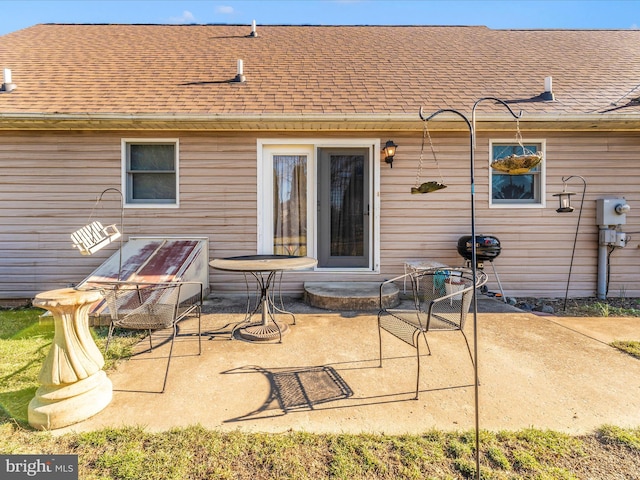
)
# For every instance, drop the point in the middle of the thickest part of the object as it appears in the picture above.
(263, 268)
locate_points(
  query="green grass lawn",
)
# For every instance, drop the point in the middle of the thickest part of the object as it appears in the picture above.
(24, 344)
(198, 453)
(631, 347)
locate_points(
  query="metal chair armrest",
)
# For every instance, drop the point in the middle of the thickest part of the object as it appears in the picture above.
(387, 282)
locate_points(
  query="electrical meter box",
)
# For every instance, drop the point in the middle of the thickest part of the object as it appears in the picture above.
(611, 211)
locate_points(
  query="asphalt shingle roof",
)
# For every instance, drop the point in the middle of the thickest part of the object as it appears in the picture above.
(310, 70)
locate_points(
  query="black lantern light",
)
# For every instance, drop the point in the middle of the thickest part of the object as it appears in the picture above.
(389, 152)
(564, 200)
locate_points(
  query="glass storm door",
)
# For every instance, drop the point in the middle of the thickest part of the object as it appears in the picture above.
(343, 207)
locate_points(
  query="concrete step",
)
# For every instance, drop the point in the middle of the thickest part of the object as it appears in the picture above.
(359, 296)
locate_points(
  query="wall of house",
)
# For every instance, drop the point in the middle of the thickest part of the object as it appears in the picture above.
(50, 182)
(536, 243)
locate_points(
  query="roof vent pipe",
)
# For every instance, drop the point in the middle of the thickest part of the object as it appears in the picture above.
(7, 84)
(548, 89)
(240, 77)
(253, 29)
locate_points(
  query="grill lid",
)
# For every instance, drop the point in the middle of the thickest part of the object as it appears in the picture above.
(487, 247)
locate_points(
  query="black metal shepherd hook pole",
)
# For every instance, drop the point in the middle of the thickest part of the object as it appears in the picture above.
(575, 238)
(113, 189)
(471, 126)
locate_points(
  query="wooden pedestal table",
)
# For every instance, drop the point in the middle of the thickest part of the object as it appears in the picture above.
(263, 268)
(73, 385)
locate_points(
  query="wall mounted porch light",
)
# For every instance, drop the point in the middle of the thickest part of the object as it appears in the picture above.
(389, 152)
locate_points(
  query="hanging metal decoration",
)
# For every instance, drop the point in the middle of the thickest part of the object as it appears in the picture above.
(94, 236)
(431, 186)
(518, 164)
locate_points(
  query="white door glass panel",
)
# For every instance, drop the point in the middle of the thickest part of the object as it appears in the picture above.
(290, 205)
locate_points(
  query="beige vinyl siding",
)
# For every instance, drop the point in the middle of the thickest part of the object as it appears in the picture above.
(536, 243)
(44, 178)
(50, 181)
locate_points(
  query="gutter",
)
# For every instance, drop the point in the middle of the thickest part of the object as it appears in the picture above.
(355, 122)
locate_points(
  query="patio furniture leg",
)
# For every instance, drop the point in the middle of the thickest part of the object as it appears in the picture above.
(468, 348)
(199, 332)
(111, 327)
(379, 343)
(166, 373)
(417, 371)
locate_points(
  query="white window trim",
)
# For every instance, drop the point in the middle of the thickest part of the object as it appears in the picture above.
(123, 180)
(543, 174)
(309, 146)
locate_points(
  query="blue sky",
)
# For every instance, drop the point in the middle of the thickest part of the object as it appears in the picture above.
(494, 14)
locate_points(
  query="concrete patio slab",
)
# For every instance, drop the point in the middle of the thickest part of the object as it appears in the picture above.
(535, 371)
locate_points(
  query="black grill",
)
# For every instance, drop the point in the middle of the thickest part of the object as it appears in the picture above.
(487, 247)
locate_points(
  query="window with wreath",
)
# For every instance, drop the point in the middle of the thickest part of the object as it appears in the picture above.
(525, 189)
(151, 172)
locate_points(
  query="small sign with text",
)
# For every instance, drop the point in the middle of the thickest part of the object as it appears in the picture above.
(39, 467)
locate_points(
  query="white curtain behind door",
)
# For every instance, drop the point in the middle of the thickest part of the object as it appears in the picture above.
(290, 205)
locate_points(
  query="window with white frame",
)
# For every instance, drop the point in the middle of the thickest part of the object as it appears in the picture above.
(150, 172)
(524, 190)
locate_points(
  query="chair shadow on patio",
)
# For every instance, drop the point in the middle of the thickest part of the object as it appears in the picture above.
(297, 388)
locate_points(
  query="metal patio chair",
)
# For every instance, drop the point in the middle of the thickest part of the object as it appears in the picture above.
(440, 302)
(151, 306)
